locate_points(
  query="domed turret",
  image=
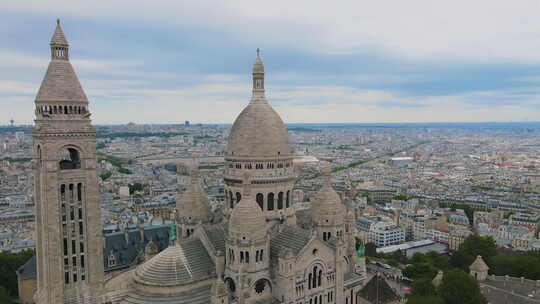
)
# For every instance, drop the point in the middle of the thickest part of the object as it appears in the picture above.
(247, 219)
(327, 204)
(193, 204)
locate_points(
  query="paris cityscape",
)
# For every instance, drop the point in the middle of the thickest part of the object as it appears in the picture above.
(270, 200)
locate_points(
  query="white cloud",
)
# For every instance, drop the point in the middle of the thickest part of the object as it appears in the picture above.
(481, 30)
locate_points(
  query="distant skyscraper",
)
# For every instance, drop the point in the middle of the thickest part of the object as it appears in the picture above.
(68, 222)
(186, 123)
(12, 122)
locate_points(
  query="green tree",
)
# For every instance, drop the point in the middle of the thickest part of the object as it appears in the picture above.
(9, 263)
(423, 287)
(135, 187)
(5, 297)
(460, 260)
(516, 265)
(473, 246)
(423, 292)
(124, 171)
(425, 300)
(458, 287)
(420, 270)
(371, 250)
(104, 176)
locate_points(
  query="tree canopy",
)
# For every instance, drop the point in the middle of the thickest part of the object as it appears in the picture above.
(458, 287)
(9, 263)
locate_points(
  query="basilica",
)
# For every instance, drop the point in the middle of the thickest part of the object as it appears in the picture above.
(257, 253)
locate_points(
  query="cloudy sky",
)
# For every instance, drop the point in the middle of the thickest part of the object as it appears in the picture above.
(326, 61)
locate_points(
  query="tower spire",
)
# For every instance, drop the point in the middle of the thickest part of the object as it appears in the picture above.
(258, 78)
(59, 44)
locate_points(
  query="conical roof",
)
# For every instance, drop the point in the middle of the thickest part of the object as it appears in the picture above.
(327, 203)
(194, 203)
(58, 37)
(247, 219)
(377, 290)
(60, 83)
(479, 265)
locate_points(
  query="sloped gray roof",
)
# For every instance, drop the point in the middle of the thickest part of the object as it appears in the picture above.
(58, 37)
(28, 270)
(291, 237)
(126, 253)
(377, 290)
(216, 236)
(303, 218)
(199, 295)
(61, 84)
(181, 264)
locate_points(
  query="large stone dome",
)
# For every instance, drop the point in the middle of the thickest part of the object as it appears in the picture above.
(258, 132)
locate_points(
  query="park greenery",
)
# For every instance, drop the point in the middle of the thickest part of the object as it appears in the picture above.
(135, 187)
(402, 197)
(115, 161)
(9, 263)
(457, 285)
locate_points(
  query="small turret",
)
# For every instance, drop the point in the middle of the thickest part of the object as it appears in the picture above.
(479, 269)
(193, 206)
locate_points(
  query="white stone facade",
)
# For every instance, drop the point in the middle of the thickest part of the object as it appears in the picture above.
(257, 255)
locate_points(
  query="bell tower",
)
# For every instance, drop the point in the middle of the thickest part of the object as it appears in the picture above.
(68, 221)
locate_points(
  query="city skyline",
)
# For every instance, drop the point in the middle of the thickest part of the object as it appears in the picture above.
(367, 64)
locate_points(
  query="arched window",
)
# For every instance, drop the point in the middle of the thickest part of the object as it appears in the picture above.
(63, 192)
(238, 197)
(231, 199)
(70, 159)
(288, 200)
(280, 200)
(314, 277)
(71, 194)
(230, 284)
(270, 201)
(260, 200)
(319, 278)
(79, 192)
(309, 280)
